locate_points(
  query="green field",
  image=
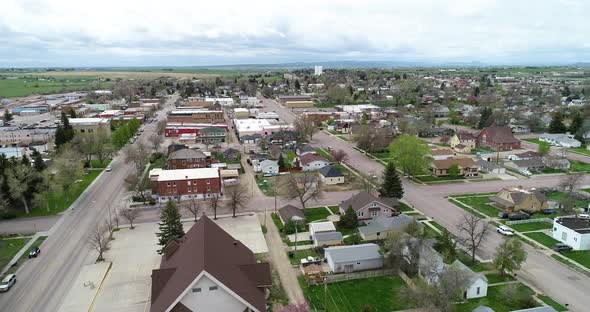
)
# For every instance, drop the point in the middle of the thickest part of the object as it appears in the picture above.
(533, 226)
(542, 238)
(27, 85)
(497, 301)
(316, 214)
(558, 196)
(379, 294)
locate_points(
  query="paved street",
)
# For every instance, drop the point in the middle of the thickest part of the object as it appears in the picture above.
(43, 283)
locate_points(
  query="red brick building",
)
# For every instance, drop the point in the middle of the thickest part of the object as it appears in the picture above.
(185, 183)
(196, 116)
(498, 138)
(188, 158)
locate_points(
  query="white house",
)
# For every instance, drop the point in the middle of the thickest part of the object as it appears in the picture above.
(331, 175)
(560, 139)
(347, 259)
(312, 162)
(572, 231)
(267, 166)
(478, 283)
(320, 227)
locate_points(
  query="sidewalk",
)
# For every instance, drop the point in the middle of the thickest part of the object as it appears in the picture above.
(23, 250)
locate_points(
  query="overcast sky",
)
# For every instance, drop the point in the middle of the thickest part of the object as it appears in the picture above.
(194, 33)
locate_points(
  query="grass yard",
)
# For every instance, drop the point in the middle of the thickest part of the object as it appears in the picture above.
(269, 189)
(549, 301)
(495, 278)
(334, 209)
(322, 152)
(460, 205)
(580, 150)
(57, 202)
(536, 141)
(558, 196)
(578, 166)
(438, 226)
(381, 155)
(542, 238)
(481, 151)
(9, 248)
(403, 207)
(551, 170)
(431, 178)
(581, 256)
(430, 232)
(25, 256)
(497, 300)
(316, 214)
(534, 226)
(302, 253)
(97, 164)
(380, 294)
(479, 203)
(476, 266)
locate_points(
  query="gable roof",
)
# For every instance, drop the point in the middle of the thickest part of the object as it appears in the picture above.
(330, 172)
(384, 223)
(207, 247)
(500, 135)
(353, 253)
(473, 277)
(327, 236)
(289, 211)
(363, 198)
(465, 136)
(442, 152)
(309, 158)
(187, 153)
(447, 163)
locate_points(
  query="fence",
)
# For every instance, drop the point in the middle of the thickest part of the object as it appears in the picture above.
(333, 278)
(529, 221)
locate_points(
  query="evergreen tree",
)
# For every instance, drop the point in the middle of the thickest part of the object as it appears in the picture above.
(577, 123)
(392, 185)
(486, 117)
(64, 132)
(349, 220)
(281, 161)
(556, 125)
(447, 246)
(38, 163)
(25, 160)
(7, 115)
(297, 84)
(170, 226)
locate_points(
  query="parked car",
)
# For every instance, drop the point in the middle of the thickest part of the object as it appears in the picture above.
(518, 216)
(108, 168)
(548, 211)
(503, 215)
(7, 282)
(34, 252)
(559, 247)
(504, 230)
(583, 216)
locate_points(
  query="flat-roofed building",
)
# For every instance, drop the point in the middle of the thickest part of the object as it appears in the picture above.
(196, 116)
(90, 125)
(185, 183)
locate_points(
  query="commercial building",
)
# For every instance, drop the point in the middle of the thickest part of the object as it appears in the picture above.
(241, 113)
(221, 101)
(318, 70)
(22, 137)
(90, 125)
(257, 126)
(498, 139)
(196, 116)
(185, 183)
(572, 231)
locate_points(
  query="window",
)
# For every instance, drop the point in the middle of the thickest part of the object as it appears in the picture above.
(361, 213)
(212, 287)
(208, 181)
(188, 182)
(563, 236)
(189, 189)
(374, 213)
(168, 184)
(477, 291)
(174, 183)
(198, 289)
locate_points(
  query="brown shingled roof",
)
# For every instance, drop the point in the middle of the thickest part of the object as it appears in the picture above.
(500, 135)
(207, 247)
(447, 163)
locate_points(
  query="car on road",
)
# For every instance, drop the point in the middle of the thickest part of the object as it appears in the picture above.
(34, 252)
(583, 216)
(7, 282)
(108, 168)
(504, 231)
(518, 216)
(559, 247)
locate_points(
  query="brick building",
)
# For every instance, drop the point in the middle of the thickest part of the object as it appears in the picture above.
(188, 158)
(185, 183)
(196, 116)
(498, 138)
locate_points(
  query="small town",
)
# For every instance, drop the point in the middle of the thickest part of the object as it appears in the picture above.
(291, 185)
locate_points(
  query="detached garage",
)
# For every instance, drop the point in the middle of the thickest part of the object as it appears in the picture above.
(347, 259)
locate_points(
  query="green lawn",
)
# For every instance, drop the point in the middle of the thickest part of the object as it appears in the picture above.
(25, 256)
(460, 205)
(430, 232)
(302, 253)
(534, 226)
(57, 202)
(580, 150)
(381, 155)
(438, 226)
(578, 166)
(551, 170)
(345, 231)
(380, 294)
(475, 266)
(9, 248)
(403, 207)
(97, 164)
(479, 203)
(29, 84)
(542, 238)
(494, 278)
(323, 153)
(482, 150)
(269, 189)
(581, 256)
(549, 301)
(558, 196)
(334, 209)
(536, 141)
(497, 301)
(432, 178)
(316, 214)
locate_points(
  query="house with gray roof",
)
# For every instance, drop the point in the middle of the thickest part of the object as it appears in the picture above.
(288, 212)
(560, 139)
(331, 175)
(368, 206)
(478, 283)
(347, 259)
(324, 239)
(381, 226)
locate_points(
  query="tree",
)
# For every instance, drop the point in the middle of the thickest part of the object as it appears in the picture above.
(349, 220)
(557, 125)
(138, 156)
(486, 118)
(447, 246)
(214, 199)
(38, 162)
(577, 123)
(99, 240)
(8, 116)
(473, 230)
(569, 183)
(19, 177)
(161, 126)
(130, 215)
(237, 197)
(281, 161)
(510, 255)
(454, 170)
(339, 156)
(68, 168)
(170, 226)
(305, 127)
(64, 132)
(303, 187)
(297, 84)
(136, 185)
(543, 148)
(367, 182)
(194, 205)
(391, 185)
(156, 141)
(411, 154)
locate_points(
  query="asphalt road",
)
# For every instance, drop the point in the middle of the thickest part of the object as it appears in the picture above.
(43, 282)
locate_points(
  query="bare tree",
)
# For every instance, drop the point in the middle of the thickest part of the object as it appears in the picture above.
(339, 156)
(99, 240)
(214, 199)
(156, 141)
(194, 205)
(136, 185)
(368, 182)
(306, 127)
(569, 183)
(237, 197)
(161, 126)
(473, 231)
(138, 156)
(130, 215)
(304, 186)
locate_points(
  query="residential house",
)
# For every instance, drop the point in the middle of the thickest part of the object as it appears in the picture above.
(290, 213)
(520, 128)
(528, 155)
(557, 162)
(573, 231)
(325, 239)
(185, 183)
(442, 153)
(467, 167)
(188, 158)
(331, 175)
(477, 286)
(305, 149)
(209, 270)
(320, 227)
(367, 206)
(430, 262)
(463, 142)
(348, 259)
(440, 111)
(518, 199)
(381, 226)
(312, 162)
(231, 155)
(498, 138)
(526, 165)
(268, 166)
(491, 167)
(560, 139)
